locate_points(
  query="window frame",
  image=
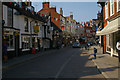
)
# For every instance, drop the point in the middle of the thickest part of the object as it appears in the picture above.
(26, 25)
(9, 17)
(106, 9)
(111, 7)
(118, 7)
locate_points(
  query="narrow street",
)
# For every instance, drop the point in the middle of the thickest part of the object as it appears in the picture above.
(64, 63)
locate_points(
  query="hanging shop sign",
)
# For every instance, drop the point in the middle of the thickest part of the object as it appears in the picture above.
(36, 29)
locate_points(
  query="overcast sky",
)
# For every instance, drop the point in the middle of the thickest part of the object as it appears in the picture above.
(82, 11)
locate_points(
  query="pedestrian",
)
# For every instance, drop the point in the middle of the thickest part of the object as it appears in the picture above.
(118, 48)
(5, 46)
(33, 49)
(70, 43)
(95, 51)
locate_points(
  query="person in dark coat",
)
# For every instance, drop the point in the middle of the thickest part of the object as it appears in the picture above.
(95, 51)
(5, 46)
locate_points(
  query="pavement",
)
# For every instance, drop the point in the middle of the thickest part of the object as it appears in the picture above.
(106, 64)
(22, 59)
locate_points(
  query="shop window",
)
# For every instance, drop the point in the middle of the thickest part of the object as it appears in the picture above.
(26, 24)
(9, 17)
(25, 42)
(8, 36)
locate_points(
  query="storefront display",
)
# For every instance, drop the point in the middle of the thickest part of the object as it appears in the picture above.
(9, 37)
(25, 42)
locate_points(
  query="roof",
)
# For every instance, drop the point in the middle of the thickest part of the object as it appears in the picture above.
(25, 12)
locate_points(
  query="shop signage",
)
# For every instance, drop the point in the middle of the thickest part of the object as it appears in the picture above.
(36, 29)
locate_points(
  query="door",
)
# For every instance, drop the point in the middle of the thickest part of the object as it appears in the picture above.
(17, 44)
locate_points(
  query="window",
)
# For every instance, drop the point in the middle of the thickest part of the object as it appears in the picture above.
(118, 5)
(106, 10)
(25, 42)
(10, 17)
(26, 24)
(8, 36)
(111, 7)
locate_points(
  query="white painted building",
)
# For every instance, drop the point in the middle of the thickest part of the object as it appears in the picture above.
(22, 30)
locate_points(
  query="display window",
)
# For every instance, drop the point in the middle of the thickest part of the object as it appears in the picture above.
(25, 42)
(9, 37)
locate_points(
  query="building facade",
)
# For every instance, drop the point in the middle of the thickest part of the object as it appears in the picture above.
(23, 28)
(111, 31)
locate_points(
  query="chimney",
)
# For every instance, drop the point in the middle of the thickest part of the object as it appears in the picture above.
(53, 8)
(71, 15)
(45, 5)
(61, 11)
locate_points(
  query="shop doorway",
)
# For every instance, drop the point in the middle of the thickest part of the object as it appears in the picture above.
(17, 45)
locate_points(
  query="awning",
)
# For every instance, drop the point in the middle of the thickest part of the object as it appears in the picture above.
(112, 27)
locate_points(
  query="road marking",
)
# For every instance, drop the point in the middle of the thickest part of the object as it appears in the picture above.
(63, 67)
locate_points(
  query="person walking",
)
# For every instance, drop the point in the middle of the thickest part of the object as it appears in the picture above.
(5, 46)
(95, 51)
(33, 49)
(118, 48)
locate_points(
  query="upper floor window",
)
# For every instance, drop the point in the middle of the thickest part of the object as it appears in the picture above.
(26, 24)
(9, 16)
(106, 10)
(118, 5)
(111, 7)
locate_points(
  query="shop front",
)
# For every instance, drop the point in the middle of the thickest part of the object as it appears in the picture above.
(25, 43)
(11, 36)
(111, 31)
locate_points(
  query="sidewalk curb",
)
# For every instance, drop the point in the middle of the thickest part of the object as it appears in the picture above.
(24, 61)
(101, 71)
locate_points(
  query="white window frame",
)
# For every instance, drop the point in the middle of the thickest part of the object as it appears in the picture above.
(118, 5)
(111, 4)
(106, 10)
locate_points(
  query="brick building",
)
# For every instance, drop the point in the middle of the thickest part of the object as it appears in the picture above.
(48, 10)
(111, 26)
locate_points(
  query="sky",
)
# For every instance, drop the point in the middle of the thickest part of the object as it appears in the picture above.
(82, 11)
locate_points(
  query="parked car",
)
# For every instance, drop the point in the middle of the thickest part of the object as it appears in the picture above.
(89, 43)
(76, 45)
